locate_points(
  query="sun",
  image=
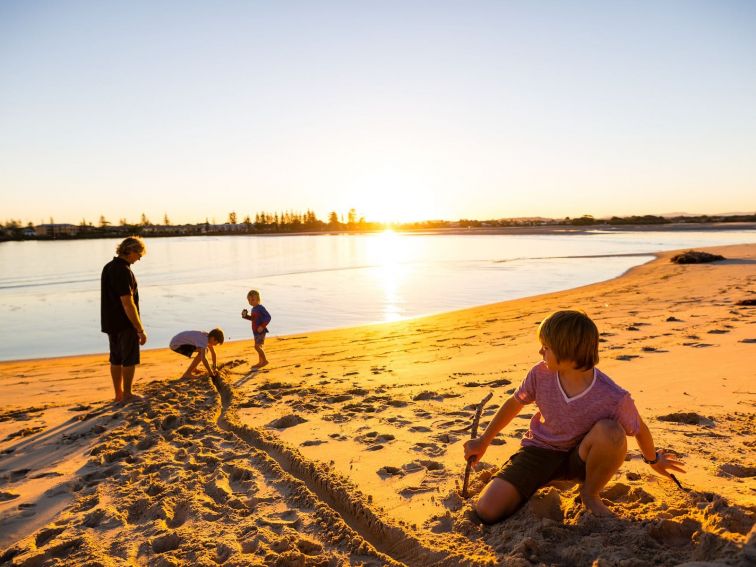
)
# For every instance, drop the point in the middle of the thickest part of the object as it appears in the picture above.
(394, 197)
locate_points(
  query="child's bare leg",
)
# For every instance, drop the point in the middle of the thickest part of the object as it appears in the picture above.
(262, 361)
(603, 451)
(497, 500)
(192, 365)
(115, 375)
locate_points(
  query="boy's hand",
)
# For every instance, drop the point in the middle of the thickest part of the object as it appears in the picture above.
(260, 329)
(475, 448)
(245, 313)
(666, 462)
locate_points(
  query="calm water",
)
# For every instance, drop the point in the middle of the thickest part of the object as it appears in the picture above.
(49, 291)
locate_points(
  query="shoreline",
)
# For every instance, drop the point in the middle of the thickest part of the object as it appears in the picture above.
(371, 419)
(538, 229)
(651, 255)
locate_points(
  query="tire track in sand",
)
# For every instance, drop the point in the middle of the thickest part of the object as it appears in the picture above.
(338, 493)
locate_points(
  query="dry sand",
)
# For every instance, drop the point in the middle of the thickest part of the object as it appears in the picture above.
(347, 448)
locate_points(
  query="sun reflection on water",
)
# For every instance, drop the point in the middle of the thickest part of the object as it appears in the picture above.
(387, 253)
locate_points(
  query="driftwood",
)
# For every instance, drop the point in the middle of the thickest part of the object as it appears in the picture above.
(473, 435)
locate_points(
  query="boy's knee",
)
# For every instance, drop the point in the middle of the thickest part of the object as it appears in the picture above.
(486, 513)
(610, 430)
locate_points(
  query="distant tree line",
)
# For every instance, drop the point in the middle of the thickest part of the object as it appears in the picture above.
(297, 222)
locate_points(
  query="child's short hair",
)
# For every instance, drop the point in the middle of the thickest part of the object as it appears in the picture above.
(217, 334)
(253, 293)
(572, 335)
(131, 244)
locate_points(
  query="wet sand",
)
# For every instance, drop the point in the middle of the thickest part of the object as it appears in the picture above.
(347, 448)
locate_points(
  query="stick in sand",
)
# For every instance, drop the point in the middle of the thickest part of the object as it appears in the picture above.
(473, 435)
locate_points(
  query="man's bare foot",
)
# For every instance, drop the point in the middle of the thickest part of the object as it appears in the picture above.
(596, 507)
(118, 397)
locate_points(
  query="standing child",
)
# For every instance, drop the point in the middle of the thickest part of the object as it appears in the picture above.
(260, 319)
(189, 342)
(579, 431)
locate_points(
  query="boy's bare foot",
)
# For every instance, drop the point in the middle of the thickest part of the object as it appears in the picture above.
(261, 364)
(118, 397)
(596, 507)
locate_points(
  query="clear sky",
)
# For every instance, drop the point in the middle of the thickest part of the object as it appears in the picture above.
(400, 109)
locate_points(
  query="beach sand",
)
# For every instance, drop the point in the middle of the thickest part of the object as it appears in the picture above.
(347, 448)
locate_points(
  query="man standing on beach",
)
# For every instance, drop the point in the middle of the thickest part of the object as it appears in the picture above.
(119, 315)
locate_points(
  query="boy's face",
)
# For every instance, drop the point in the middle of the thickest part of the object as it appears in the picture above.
(212, 342)
(253, 300)
(549, 358)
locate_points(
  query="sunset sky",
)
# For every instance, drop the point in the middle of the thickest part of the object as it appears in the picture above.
(400, 109)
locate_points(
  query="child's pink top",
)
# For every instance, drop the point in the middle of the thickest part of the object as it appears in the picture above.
(562, 422)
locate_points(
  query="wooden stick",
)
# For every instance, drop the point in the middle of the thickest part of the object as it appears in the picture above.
(473, 435)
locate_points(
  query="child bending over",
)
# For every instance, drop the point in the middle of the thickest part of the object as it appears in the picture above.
(189, 342)
(579, 431)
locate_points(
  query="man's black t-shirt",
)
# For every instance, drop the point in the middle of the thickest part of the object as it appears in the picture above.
(117, 280)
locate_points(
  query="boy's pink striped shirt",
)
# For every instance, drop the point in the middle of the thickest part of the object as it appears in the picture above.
(562, 422)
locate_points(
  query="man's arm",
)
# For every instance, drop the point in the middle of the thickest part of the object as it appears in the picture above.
(662, 460)
(477, 447)
(133, 314)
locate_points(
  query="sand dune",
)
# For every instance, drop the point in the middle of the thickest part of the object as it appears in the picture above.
(346, 449)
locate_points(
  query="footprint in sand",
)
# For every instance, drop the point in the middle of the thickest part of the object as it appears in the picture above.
(689, 418)
(374, 439)
(286, 421)
(736, 470)
(427, 395)
(25, 432)
(430, 449)
(389, 471)
(674, 533)
(7, 496)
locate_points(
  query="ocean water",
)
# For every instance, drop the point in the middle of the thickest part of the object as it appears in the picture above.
(49, 291)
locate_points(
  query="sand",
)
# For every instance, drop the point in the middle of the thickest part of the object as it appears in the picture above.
(347, 448)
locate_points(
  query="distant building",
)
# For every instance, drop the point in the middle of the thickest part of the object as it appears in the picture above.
(53, 230)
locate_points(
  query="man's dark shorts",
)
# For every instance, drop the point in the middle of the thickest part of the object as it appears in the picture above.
(186, 350)
(532, 467)
(124, 348)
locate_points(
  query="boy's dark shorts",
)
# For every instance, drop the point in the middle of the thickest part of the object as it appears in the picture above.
(124, 348)
(532, 467)
(186, 350)
(259, 339)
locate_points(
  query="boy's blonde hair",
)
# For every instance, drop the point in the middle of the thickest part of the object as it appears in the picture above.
(253, 293)
(131, 244)
(217, 334)
(572, 335)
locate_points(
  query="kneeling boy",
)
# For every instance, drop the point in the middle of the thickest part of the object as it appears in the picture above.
(579, 431)
(189, 342)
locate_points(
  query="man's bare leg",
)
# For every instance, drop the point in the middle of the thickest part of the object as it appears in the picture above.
(128, 379)
(115, 374)
(603, 451)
